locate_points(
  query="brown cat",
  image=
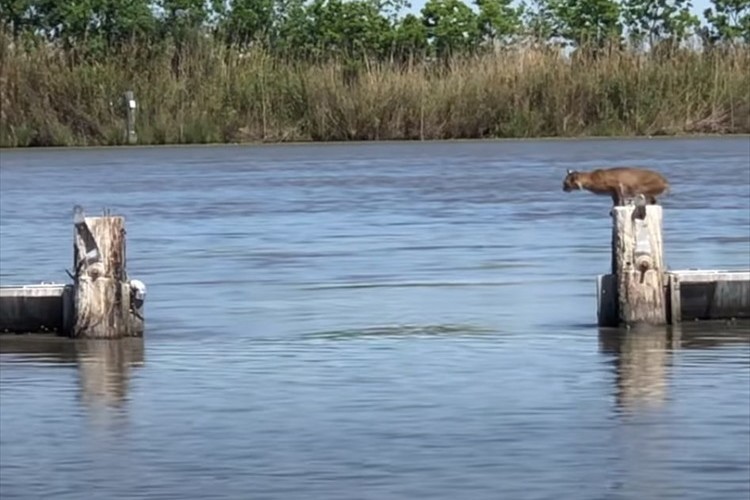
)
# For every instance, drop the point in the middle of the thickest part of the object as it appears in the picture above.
(621, 183)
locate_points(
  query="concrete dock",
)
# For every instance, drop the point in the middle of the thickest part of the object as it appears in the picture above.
(705, 295)
(36, 308)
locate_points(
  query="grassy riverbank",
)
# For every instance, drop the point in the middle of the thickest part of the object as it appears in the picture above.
(220, 95)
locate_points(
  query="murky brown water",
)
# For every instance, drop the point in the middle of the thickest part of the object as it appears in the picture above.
(374, 321)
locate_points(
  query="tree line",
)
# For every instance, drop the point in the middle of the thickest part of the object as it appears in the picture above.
(373, 29)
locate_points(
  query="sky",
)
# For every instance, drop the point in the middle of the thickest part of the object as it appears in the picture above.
(698, 6)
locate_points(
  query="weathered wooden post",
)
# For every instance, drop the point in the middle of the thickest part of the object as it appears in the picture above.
(102, 294)
(130, 135)
(639, 264)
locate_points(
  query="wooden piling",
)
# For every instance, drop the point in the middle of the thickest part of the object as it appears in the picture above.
(639, 289)
(102, 297)
(639, 264)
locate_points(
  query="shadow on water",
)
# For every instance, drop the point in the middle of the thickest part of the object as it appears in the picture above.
(642, 357)
(104, 366)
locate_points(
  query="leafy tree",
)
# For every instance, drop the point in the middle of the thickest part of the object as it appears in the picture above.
(366, 30)
(591, 23)
(410, 37)
(729, 20)
(91, 26)
(355, 29)
(181, 18)
(293, 36)
(124, 20)
(17, 15)
(351, 28)
(452, 27)
(69, 22)
(655, 21)
(498, 19)
(538, 20)
(243, 22)
(391, 9)
(182, 22)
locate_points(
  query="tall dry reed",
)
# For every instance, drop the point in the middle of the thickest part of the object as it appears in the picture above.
(214, 94)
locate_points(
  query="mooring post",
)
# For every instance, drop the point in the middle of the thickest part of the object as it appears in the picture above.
(102, 293)
(130, 135)
(639, 264)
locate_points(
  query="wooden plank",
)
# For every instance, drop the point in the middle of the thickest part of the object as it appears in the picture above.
(639, 260)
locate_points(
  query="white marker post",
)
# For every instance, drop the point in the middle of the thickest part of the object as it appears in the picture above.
(130, 136)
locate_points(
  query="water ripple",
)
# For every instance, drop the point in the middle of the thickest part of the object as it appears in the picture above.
(384, 321)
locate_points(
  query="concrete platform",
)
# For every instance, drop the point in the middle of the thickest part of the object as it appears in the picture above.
(706, 295)
(36, 308)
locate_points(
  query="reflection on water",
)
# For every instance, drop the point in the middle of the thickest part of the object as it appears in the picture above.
(104, 366)
(105, 369)
(641, 357)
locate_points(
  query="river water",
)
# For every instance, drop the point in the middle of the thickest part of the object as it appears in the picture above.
(374, 321)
